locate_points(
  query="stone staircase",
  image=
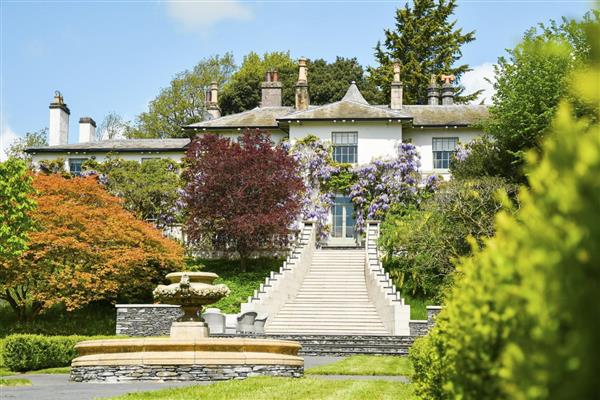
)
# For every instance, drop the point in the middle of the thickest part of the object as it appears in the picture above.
(332, 299)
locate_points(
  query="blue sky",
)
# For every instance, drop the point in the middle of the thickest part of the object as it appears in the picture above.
(116, 55)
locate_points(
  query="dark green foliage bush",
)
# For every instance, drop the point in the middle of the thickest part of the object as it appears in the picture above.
(482, 158)
(421, 245)
(95, 319)
(24, 352)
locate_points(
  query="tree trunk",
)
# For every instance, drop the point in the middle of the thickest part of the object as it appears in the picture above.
(243, 262)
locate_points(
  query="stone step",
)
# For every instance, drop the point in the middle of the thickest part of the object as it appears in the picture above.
(334, 331)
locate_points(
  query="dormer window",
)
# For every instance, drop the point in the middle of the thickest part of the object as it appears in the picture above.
(345, 147)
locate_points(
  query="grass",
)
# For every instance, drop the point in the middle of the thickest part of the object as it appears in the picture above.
(241, 284)
(366, 365)
(56, 370)
(270, 388)
(14, 382)
(418, 306)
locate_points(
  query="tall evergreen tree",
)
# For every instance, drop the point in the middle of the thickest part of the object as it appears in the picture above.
(328, 82)
(425, 42)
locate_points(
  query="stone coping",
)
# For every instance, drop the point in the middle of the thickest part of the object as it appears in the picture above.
(205, 358)
(234, 345)
(205, 351)
(434, 307)
(419, 321)
(145, 305)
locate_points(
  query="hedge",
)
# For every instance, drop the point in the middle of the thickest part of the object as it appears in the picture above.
(24, 352)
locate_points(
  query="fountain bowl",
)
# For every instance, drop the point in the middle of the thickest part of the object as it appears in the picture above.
(168, 359)
(188, 354)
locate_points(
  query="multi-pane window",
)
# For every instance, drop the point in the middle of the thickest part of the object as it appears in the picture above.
(345, 147)
(443, 148)
(75, 165)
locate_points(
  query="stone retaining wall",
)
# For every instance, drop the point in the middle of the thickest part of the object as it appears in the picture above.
(146, 319)
(158, 373)
(420, 327)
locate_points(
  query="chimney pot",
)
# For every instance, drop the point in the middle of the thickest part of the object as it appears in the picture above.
(87, 130)
(59, 121)
(212, 101)
(448, 90)
(271, 90)
(433, 92)
(396, 89)
(302, 97)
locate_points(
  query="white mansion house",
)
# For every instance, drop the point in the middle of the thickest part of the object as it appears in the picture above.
(357, 130)
(334, 290)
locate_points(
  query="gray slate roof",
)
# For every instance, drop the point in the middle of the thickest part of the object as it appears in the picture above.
(352, 106)
(122, 145)
(459, 114)
(259, 117)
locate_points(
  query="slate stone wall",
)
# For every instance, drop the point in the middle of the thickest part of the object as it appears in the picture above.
(418, 327)
(146, 319)
(159, 373)
(422, 327)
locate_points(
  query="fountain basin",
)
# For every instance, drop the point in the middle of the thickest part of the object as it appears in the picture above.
(167, 359)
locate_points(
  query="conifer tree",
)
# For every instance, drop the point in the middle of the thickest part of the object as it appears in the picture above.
(425, 41)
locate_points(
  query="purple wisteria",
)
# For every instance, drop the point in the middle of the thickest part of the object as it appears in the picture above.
(314, 157)
(385, 182)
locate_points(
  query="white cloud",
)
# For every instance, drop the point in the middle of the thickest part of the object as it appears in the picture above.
(7, 137)
(200, 15)
(476, 80)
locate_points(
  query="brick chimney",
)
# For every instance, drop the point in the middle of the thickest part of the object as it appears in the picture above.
(433, 92)
(271, 90)
(302, 98)
(87, 130)
(447, 90)
(59, 121)
(212, 101)
(396, 89)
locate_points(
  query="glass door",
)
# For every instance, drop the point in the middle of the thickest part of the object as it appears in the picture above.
(343, 218)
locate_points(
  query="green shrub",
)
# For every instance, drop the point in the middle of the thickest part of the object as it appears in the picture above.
(23, 352)
(98, 318)
(523, 320)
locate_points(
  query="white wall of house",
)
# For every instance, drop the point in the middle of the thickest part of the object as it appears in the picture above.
(103, 156)
(423, 140)
(276, 135)
(375, 139)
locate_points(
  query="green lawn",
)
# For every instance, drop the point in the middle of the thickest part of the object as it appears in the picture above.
(418, 306)
(365, 365)
(14, 382)
(241, 284)
(269, 388)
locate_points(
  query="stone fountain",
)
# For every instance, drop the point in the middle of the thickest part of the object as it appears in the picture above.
(192, 291)
(189, 354)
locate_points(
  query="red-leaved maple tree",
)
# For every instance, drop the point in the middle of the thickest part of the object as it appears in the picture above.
(86, 247)
(241, 195)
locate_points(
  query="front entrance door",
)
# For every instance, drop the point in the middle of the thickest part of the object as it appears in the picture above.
(342, 233)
